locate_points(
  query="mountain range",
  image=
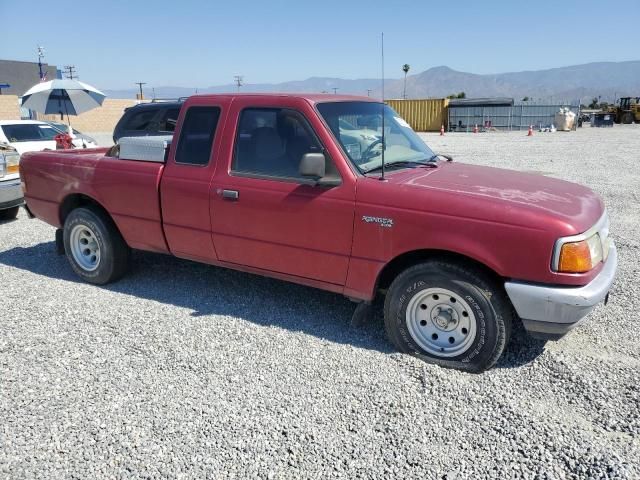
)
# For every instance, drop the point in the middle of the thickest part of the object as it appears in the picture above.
(583, 82)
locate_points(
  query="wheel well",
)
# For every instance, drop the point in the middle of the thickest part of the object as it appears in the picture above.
(396, 266)
(78, 200)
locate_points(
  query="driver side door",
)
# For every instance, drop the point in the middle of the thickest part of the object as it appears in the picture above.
(264, 214)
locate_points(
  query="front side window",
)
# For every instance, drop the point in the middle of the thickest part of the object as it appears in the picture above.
(196, 136)
(272, 142)
(29, 132)
(358, 128)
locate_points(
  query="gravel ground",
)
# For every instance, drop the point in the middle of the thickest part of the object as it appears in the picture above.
(182, 370)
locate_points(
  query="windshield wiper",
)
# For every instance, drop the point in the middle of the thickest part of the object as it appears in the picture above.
(403, 163)
(437, 155)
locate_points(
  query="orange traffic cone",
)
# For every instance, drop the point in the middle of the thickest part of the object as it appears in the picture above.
(530, 132)
(442, 130)
(475, 129)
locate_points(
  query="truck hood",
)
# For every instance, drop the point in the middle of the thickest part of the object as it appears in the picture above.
(506, 194)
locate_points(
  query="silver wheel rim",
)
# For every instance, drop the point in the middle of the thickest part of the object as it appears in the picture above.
(84, 247)
(441, 322)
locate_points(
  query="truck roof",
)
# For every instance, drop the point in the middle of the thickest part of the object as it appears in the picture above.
(310, 97)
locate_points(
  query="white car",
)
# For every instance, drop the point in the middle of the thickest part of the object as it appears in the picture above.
(10, 190)
(33, 136)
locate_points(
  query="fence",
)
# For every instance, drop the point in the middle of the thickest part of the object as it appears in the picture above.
(426, 115)
(516, 117)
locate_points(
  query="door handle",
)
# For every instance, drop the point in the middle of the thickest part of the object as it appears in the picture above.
(230, 194)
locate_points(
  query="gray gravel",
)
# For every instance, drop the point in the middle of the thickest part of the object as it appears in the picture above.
(182, 370)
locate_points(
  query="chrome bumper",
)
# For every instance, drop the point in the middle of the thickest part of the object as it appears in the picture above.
(10, 193)
(551, 312)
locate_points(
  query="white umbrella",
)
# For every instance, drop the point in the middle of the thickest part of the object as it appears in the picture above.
(70, 97)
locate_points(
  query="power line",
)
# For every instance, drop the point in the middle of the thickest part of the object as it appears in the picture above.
(238, 80)
(140, 85)
(43, 75)
(69, 71)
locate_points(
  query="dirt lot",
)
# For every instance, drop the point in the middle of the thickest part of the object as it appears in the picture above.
(183, 370)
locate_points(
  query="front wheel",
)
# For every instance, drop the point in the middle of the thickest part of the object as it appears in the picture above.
(95, 249)
(449, 315)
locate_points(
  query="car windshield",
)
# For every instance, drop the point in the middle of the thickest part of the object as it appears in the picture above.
(358, 128)
(29, 132)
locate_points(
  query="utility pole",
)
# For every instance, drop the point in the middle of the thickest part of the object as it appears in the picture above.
(69, 71)
(238, 80)
(335, 90)
(43, 75)
(140, 85)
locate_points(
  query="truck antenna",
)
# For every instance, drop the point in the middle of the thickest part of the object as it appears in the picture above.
(382, 141)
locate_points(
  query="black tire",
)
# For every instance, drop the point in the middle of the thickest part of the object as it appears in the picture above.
(490, 311)
(9, 213)
(627, 118)
(114, 252)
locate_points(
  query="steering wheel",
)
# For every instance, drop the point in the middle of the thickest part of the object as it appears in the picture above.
(367, 152)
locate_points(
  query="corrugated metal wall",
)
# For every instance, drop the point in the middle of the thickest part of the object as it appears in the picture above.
(426, 115)
(517, 117)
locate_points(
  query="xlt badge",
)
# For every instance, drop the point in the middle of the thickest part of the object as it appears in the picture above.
(383, 222)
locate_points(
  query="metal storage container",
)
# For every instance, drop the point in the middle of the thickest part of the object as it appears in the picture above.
(148, 149)
(426, 115)
(602, 119)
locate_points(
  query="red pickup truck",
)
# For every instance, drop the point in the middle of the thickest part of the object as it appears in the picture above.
(338, 193)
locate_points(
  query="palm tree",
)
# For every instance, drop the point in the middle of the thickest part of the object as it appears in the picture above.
(405, 69)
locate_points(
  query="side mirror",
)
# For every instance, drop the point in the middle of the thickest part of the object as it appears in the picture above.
(313, 165)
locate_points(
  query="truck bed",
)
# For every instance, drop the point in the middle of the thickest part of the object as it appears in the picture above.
(54, 179)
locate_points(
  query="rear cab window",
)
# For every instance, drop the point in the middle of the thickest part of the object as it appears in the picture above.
(196, 136)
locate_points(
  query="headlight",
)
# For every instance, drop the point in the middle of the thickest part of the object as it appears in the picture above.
(580, 257)
(581, 253)
(12, 161)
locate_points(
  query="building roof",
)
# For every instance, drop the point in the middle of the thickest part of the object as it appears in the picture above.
(479, 102)
(21, 76)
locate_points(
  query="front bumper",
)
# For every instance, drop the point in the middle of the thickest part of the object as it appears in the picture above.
(551, 312)
(10, 193)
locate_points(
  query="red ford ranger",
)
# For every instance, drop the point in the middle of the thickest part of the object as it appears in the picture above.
(338, 193)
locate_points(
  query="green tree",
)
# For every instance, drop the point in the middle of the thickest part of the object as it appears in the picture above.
(405, 69)
(594, 103)
(525, 99)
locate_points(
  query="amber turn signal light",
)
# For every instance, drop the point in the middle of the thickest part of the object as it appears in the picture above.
(575, 257)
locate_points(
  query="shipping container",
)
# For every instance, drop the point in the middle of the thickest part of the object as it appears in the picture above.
(425, 115)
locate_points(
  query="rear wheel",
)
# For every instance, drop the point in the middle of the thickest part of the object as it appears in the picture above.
(94, 246)
(449, 315)
(9, 213)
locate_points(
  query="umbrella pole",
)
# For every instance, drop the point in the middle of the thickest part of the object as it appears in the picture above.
(67, 111)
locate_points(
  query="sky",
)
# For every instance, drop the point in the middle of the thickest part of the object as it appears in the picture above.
(198, 44)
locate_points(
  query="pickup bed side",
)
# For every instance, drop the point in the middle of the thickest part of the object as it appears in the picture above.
(55, 182)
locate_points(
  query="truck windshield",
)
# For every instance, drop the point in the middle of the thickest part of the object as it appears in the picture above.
(29, 132)
(358, 128)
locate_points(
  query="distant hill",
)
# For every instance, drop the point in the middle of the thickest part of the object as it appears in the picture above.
(563, 84)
